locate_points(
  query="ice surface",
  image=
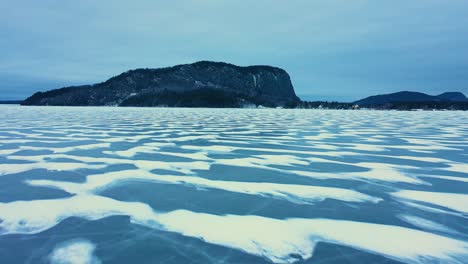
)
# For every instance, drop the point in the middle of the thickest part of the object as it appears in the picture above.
(270, 183)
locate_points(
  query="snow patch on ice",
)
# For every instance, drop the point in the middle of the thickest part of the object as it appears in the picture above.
(301, 194)
(74, 252)
(455, 201)
(279, 241)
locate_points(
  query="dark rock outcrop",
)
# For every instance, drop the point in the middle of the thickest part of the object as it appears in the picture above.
(406, 96)
(201, 84)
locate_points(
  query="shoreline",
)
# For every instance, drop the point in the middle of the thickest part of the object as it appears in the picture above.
(257, 108)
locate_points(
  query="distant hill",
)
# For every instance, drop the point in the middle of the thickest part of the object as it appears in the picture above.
(200, 84)
(452, 97)
(412, 97)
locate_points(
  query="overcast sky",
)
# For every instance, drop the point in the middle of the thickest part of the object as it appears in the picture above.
(335, 50)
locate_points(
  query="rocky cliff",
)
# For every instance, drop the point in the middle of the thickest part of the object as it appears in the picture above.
(201, 84)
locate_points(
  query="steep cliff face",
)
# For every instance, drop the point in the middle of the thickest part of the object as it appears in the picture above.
(201, 84)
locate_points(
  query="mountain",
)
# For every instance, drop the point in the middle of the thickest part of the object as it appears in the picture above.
(201, 84)
(452, 97)
(407, 96)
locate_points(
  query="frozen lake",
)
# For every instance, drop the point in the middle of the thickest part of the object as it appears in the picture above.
(168, 185)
